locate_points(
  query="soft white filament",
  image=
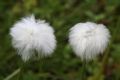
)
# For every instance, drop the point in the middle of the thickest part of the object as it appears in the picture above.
(89, 39)
(30, 35)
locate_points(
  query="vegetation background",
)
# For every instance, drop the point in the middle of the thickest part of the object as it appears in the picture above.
(62, 15)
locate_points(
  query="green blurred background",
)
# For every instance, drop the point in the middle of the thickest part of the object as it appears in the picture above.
(62, 15)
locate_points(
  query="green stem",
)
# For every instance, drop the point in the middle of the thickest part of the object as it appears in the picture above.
(104, 63)
(13, 74)
(83, 71)
(18, 71)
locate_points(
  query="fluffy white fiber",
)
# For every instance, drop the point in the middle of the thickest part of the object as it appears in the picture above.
(30, 35)
(88, 39)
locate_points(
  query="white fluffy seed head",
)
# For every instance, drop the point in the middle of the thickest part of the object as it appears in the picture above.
(88, 39)
(30, 35)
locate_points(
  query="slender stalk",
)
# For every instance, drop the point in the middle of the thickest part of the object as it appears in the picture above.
(18, 71)
(13, 74)
(104, 62)
(84, 71)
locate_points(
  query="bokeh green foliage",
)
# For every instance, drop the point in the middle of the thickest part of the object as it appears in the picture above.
(62, 15)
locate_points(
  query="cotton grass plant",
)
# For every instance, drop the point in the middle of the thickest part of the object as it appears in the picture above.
(32, 38)
(88, 40)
